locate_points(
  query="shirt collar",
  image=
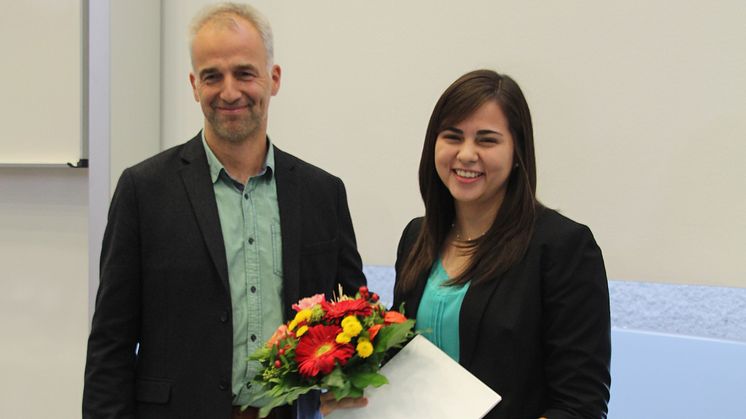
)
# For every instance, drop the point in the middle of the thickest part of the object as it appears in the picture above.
(216, 167)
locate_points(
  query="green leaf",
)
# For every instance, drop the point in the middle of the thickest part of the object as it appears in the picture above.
(354, 392)
(338, 383)
(335, 378)
(365, 379)
(279, 396)
(393, 335)
(261, 353)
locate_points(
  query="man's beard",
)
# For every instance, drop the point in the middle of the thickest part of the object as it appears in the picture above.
(236, 130)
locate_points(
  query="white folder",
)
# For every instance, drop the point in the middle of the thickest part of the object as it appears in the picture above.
(424, 382)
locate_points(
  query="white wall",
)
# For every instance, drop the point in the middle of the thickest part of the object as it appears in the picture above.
(124, 103)
(43, 211)
(638, 111)
(43, 303)
(135, 83)
(45, 216)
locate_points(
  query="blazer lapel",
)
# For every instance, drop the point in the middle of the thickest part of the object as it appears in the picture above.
(413, 298)
(412, 303)
(196, 177)
(472, 314)
(290, 225)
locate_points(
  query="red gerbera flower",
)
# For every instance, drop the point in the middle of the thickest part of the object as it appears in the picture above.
(339, 309)
(318, 350)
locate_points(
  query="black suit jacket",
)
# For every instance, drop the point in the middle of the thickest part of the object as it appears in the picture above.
(539, 335)
(164, 282)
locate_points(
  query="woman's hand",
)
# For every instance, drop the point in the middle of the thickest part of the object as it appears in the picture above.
(330, 404)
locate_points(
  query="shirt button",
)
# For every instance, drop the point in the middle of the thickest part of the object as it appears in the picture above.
(251, 240)
(246, 196)
(253, 289)
(248, 385)
(224, 317)
(253, 338)
(223, 386)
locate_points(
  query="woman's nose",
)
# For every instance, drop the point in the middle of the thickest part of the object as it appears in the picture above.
(467, 153)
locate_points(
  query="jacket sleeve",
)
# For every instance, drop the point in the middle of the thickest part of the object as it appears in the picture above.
(350, 266)
(110, 364)
(576, 326)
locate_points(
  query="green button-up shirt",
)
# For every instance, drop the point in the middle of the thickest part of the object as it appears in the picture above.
(250, 222)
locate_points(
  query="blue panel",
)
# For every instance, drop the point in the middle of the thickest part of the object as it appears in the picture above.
(692, 310)
(666, 376)
(381, 281)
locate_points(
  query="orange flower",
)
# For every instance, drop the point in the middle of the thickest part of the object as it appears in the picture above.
(280, 334)
(393, 317)
(373, 331)
(318, 351)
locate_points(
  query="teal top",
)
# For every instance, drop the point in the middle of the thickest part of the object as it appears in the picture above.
(250, 222)
(438, 313)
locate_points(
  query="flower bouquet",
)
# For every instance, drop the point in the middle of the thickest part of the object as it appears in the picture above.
(330, 345)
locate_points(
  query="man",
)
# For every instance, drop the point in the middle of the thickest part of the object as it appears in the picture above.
(209, 243)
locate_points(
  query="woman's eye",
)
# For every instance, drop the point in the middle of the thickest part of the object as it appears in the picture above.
(488, 140)
(451, 137)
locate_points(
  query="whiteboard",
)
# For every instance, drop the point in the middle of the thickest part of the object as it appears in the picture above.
(41, 106)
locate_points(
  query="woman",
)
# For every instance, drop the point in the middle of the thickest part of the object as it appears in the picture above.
(514, 291)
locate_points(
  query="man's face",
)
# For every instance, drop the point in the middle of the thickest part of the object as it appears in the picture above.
(231, 80)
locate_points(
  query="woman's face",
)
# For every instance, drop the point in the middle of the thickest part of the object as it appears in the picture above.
(474, 158)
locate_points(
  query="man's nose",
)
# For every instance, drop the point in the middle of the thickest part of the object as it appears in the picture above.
(230, 92)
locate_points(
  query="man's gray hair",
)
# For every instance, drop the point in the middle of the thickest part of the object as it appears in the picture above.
(225, 13)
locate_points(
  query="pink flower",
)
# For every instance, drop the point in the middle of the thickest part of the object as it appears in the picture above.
(308, 302)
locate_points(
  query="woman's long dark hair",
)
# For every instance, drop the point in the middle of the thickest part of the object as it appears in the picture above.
(506, 241)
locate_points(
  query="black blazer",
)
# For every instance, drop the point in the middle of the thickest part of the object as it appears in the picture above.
(164, 282)
(539, 335)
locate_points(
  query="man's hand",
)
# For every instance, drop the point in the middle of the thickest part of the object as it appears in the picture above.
(330, 404)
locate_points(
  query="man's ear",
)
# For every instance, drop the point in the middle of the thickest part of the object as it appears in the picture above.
(276, 74)
(193, 82)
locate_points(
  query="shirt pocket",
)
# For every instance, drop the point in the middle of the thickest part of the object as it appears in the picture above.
(276, 249)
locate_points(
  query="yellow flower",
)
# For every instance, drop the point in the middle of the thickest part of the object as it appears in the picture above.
(301, 330)
(301, 316)
(351, 326)
(364, 348)
(343, 338)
